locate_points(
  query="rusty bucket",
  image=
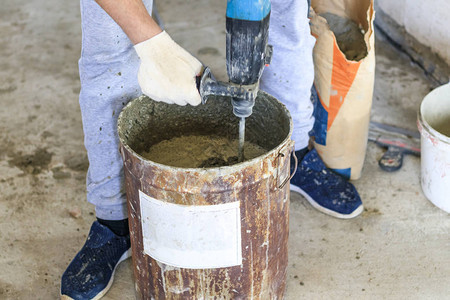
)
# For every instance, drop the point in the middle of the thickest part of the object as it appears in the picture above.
(202, 233)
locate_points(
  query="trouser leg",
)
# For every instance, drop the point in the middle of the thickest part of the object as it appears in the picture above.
(108, 72)
(291, 73)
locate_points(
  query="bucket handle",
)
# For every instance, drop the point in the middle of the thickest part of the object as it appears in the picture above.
(295, 168)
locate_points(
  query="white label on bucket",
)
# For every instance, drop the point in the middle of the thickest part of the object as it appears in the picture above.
(189, 236)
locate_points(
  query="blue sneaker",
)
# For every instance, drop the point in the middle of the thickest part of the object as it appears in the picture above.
(325, 190)
(91, 272)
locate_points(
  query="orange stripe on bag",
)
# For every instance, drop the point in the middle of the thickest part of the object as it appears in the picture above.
(342, 77)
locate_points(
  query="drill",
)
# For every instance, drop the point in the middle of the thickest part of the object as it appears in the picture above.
(247, 52)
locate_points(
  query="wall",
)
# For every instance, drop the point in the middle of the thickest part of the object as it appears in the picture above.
(426, 21)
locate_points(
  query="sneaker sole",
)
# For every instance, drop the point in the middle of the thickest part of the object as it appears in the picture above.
(324, 210)
(102, 293)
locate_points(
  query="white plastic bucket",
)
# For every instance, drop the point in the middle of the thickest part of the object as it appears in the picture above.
(434, 126)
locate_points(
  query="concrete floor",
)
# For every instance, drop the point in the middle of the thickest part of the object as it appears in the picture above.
(399, 248)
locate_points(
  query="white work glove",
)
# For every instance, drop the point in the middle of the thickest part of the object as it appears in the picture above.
(167, 71)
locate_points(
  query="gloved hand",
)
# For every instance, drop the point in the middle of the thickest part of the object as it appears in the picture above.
(167, 71)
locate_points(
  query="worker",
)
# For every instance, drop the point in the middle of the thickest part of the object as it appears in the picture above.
(113, 71)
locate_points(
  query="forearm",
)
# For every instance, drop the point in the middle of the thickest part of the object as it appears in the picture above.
(132, 17)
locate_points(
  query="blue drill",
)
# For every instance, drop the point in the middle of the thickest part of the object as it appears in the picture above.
(247, 27)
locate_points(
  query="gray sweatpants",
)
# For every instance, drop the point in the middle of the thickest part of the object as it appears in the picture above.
(108, 73)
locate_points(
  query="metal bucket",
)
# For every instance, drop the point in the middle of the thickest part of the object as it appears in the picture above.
(218, 232)
(434, 126)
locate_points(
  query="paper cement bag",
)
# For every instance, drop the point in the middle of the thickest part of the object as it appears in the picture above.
(344, 65)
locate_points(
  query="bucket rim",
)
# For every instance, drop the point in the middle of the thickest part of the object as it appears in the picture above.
(425, 125)
(431, 131)
(287, 142)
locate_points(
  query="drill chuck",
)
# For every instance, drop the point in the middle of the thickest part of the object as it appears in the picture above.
(242, 108)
